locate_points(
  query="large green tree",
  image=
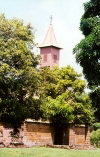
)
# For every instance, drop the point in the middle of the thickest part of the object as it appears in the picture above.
(18, 73)
(63, 98)
(88, 50)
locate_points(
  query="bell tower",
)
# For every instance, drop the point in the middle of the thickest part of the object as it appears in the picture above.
(49, 49)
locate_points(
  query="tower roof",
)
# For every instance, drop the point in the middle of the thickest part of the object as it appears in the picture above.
(50, 39)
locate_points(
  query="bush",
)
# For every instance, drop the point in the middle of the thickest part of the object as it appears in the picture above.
(96, 126)
(95, 138)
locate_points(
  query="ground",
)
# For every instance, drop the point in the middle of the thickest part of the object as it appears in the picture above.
(47, 152)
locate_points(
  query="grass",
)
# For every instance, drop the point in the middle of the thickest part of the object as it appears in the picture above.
(47, 152)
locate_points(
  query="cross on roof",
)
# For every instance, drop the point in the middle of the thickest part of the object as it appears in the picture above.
(51, 20)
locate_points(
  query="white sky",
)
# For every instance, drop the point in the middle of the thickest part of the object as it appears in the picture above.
(66, 20)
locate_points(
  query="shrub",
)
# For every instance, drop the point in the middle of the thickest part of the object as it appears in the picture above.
(95, 138)
(96, 126)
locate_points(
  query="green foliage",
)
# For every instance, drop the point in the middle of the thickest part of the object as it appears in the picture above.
(96, 126)
(58, 110)
(92, 8)
(95, 97)
(88, 51)
(63, 98)
(55, 81)
(18, 74)
(95, 138)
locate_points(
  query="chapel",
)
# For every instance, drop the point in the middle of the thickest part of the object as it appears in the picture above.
(42, 132)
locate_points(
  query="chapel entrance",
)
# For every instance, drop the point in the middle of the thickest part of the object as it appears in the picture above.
(58, 140)
(61, 136)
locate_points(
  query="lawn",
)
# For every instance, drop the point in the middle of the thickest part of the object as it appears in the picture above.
(47, 152)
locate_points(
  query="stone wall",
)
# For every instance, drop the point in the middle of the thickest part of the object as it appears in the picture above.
(5, 136)
(38, 133)
(43, 133)
(79, 136)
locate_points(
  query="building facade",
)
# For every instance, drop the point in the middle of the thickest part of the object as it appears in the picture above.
(34, 133)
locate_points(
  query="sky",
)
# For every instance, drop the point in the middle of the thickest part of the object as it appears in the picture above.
(66, 20)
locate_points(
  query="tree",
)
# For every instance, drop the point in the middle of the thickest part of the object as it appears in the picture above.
(18, 73)
(95, 97)
(88, 50)
(63, 98)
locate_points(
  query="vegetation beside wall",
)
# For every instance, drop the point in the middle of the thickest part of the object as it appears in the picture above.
(95, 135)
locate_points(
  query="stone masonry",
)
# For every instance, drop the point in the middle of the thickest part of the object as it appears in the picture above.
(43, 133)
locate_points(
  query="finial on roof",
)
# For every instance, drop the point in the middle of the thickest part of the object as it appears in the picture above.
(50, 39)
(51, 20)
